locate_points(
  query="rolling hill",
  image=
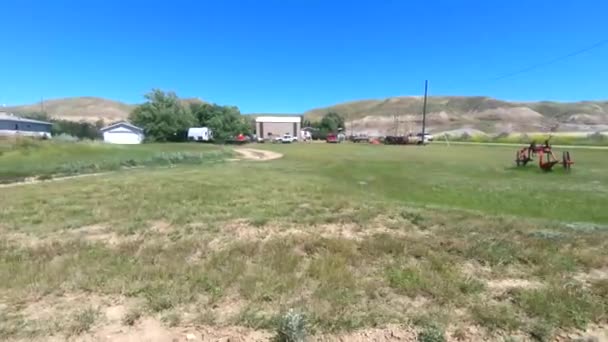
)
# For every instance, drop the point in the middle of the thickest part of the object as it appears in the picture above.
(395, 115)
(398, 115)
(83, 108)
(78, 108)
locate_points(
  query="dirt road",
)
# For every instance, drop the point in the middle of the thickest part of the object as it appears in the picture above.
(255, 154)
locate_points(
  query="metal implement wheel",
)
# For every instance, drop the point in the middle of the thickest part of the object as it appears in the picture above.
(566, 161)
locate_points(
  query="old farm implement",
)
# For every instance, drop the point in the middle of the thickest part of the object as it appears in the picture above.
(546, 157)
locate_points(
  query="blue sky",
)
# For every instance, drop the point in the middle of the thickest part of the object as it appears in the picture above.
(290, 56)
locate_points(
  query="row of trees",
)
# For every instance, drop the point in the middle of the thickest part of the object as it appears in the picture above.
(331, 122)
(165, 117)
(78, 129)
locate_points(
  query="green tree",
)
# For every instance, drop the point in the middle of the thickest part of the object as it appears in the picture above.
(99, 124)
(225, 121)
(163, 117)
(331, 122)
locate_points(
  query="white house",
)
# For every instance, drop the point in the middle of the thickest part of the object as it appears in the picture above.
(122, 132)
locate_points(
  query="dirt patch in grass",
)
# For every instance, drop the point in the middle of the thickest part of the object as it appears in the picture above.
(99, 233)
(504, 285)
(255, 154)
(388, 334)
(36, 180)
(244, 230)
(96, 233)
(592, 275)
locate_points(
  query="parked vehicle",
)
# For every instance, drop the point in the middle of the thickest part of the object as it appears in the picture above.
(332, 138)
(359, 138)
(286, 139)
(240, 139)
(427, 138)
(200, 134)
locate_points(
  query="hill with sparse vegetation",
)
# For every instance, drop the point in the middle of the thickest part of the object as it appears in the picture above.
(402, 114)
(78, 108)
(84, 108)
(395, 115)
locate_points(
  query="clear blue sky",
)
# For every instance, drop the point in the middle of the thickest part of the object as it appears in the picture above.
(290, 56)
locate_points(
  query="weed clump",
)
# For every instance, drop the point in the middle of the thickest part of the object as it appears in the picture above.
(131, 317)
(292, 327)
(82, 321)
(431, 333)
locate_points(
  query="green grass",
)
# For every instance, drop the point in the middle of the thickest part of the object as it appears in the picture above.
(590, 139)
(45, 159)
(351, 236)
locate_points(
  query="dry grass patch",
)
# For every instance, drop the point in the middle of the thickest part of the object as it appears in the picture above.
(344, 276)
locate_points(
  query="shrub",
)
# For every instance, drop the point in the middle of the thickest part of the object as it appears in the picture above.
(495, 316)
(597, 137)
(65, 137)
(131, 317)
(26, 143)
(568, 305)
(82, 321)
(541, 331)
(292, 327)
(431, 333)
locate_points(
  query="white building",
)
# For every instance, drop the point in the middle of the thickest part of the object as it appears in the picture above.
(122, 132)
(269, 127)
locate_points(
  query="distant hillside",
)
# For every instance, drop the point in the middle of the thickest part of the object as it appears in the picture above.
(399, 115)
(84, 108)
(79, 108)
(395, 115)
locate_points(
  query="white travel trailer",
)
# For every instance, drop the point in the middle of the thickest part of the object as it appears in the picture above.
(200, 134)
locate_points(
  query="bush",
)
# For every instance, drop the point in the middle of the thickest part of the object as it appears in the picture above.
(431, 333)
(495, 316)
(26, 143)
(597, 137)
(65, 137)
(292, 328)
(82, 321)
(567, 305)
(131, 317)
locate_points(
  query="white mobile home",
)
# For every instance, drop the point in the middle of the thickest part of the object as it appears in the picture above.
(14, 125)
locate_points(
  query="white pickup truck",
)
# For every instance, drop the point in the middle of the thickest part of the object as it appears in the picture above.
(286, 139)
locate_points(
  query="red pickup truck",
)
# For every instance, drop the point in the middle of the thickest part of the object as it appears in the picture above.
(332, 138)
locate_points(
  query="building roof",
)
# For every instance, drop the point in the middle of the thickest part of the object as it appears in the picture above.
(122, 123)
(278, 119)
(13, 117)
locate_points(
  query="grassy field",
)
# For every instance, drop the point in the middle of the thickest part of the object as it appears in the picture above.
(572, 138)
(421, 240)
(25, 158)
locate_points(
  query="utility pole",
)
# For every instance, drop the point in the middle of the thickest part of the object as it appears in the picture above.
(426, 88)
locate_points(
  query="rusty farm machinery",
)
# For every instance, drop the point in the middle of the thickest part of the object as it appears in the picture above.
(546, 157)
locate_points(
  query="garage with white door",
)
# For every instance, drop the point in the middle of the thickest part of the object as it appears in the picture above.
(122, 133)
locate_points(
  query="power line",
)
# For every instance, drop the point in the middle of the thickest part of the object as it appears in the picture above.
(553, 61)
